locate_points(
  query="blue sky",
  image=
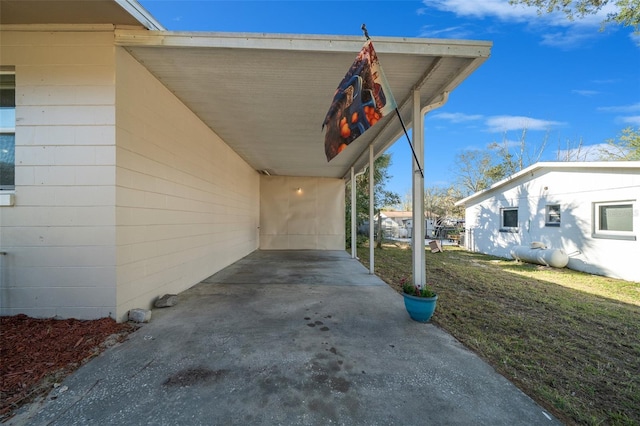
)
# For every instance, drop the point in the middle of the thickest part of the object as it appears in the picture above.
(568, 84)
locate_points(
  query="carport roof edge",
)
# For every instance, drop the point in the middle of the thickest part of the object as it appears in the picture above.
(276, 88)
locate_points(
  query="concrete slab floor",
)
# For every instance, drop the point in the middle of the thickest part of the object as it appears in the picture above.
(288, 338)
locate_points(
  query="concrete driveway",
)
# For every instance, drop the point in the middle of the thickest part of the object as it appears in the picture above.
(288, 338)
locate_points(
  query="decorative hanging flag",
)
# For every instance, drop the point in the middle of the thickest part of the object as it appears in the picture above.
(362, 98)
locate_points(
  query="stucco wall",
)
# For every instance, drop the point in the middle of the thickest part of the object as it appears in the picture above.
(186, 204)
(576, 191)
(301, 213)
(59, 236)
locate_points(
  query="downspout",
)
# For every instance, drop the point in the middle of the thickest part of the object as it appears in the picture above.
(435, 105)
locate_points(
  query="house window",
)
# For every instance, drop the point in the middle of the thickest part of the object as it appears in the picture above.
(552, 215)
(509, 219)
(7, 128)
(613, 220)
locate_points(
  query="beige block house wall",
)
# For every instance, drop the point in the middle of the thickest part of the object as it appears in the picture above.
(60, 235)
(301, 213)
(186, 204)
(122, 193)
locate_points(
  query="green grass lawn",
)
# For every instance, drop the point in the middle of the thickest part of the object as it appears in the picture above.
(570, 340)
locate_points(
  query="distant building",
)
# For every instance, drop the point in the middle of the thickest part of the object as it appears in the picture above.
(399, 224)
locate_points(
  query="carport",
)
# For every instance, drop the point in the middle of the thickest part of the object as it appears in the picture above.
(186, 150)
(266, 95)
(278, 337)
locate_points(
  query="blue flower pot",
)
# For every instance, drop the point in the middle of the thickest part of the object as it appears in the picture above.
(420, 308)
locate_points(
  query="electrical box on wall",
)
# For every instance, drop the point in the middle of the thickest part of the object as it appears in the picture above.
(7, 199)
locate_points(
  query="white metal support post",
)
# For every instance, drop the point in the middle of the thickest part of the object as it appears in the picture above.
(354, 253)
(371, 236)
(417, 240)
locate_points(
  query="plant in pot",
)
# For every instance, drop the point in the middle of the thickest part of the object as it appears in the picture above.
(420, 301)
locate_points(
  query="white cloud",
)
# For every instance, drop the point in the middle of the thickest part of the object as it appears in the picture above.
(501, 9)
(457, 117)
(567, 38)
(585, 92)
(509, 143)
(569, 33)
(457, 32)
(485, 8)
(583, 153)
(503, 123)
(606, 81)
(621, 108)
(633, 120)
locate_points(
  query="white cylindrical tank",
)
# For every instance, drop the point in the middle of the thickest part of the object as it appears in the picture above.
(542, 256)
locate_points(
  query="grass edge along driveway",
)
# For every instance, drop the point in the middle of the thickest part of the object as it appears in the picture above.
(569, 340)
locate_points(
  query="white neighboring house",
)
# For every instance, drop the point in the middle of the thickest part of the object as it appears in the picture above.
(405, 223)
(591, 210)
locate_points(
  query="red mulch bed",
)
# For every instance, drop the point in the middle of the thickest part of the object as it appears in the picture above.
(36, 353)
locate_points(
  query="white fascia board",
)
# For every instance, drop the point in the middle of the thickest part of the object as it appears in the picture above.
(136, 10)
(552, 165)
(310, 43)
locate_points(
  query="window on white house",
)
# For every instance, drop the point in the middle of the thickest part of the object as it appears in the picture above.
(552, 215)
(509, 219)
(7, 128)
(613, 220)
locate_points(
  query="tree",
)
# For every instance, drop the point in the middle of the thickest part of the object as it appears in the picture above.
(626, 148)
(508, 162)
(440, 201)
(381, 197)
(627, 14)
(472, 170)
(406, 204)
(477, 170)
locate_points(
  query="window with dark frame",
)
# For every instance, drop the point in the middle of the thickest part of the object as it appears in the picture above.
(509, 219)
(7, 128)
(552, 215)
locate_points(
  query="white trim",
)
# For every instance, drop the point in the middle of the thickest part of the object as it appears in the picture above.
(305, 42)
(504, 227)
(605, 233)
(59, 27)
(552, 165)
(136, 10)
(547, 216)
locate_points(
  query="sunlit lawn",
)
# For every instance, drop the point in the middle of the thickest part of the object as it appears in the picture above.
(569, 340)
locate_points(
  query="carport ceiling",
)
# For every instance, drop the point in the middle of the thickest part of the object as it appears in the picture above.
(267, 95)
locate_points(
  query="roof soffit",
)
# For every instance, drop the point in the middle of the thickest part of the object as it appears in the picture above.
(266, 95)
